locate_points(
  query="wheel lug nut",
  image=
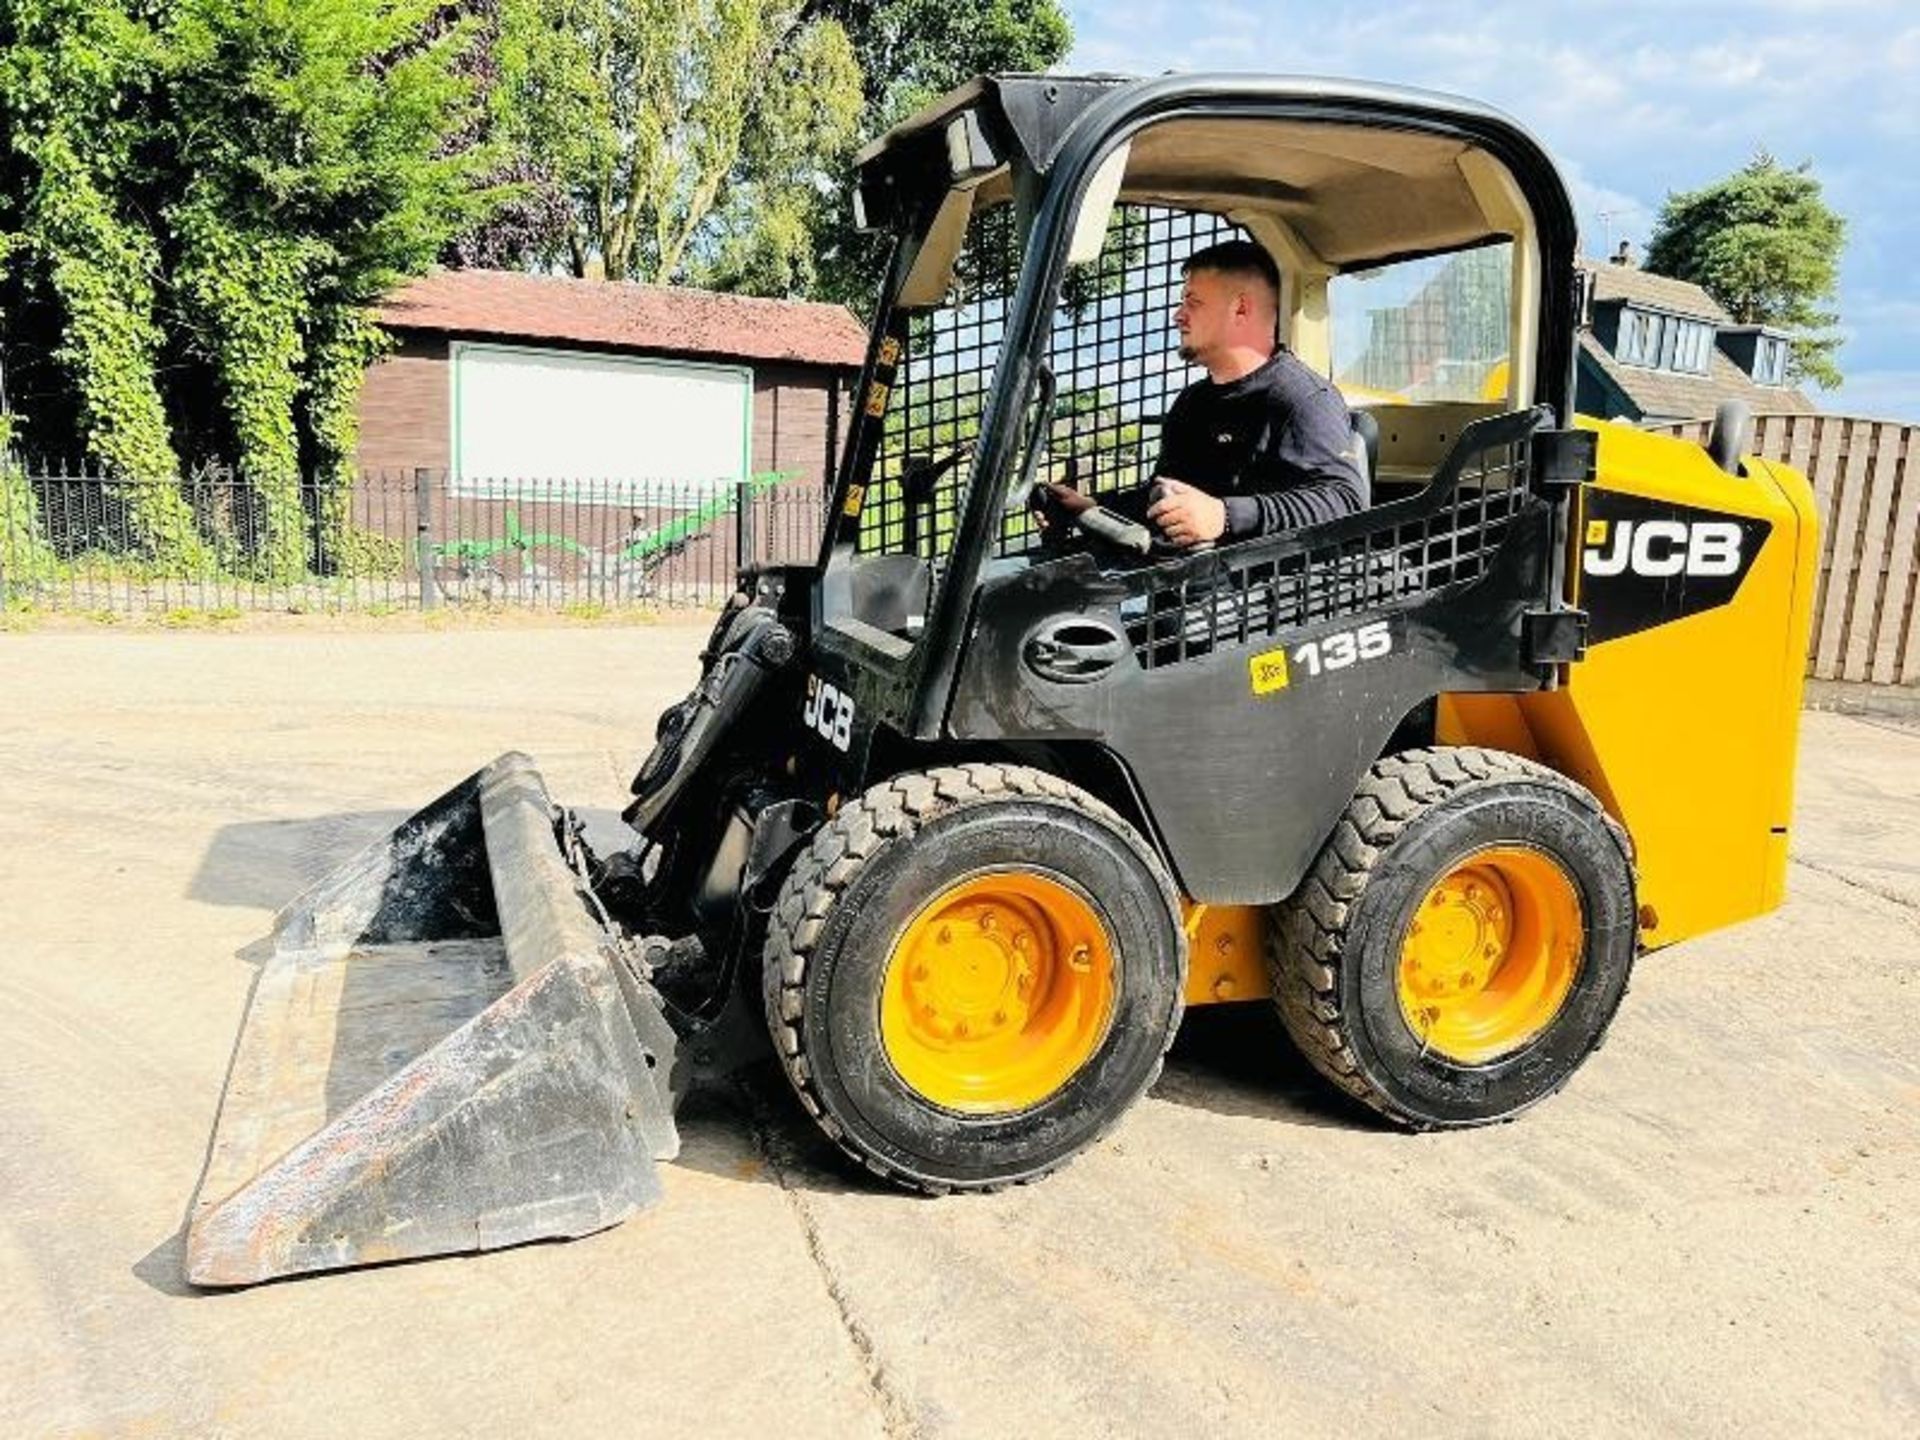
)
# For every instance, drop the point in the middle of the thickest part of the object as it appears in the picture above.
(963, 1029)
(946, 935)
(1081, 959)
(921, 972)
(1021, 939)
(999, 1017)
(986, 921)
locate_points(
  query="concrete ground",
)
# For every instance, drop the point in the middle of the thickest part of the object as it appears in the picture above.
(1715, 1230)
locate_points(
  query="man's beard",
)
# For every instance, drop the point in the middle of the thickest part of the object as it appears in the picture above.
(1187, 352)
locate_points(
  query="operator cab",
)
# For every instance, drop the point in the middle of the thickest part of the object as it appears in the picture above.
(1025, 332)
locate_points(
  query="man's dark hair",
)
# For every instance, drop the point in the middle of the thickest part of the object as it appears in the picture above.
(1237, 260)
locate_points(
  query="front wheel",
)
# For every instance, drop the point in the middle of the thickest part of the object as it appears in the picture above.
(971, 973)
(1463, 939)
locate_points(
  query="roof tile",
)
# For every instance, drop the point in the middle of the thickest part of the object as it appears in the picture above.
(1663, 292)
(1664, 395)
(627, 316)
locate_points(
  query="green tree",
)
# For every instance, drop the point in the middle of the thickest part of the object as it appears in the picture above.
(208, 198)
(761, 237)
(643, 110)
(24, 553)
(911, 52)
(78, 80)
(326, 178)
(712, 140)
(1765, 245)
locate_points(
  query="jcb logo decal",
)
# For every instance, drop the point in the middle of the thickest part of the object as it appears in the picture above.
(1658, 548)
(828, 712)
(1650, 562)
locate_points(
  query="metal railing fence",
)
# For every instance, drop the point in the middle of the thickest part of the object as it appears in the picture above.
(74, 539)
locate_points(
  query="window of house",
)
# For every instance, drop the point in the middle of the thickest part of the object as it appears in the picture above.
(1641, 332)
(1688, 345)
(1664, 342)
(1770, 360)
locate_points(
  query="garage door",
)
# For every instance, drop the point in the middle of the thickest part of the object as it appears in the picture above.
(531, 423)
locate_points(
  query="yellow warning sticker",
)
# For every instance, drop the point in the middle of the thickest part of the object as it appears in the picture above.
(876, 399)
(1268, 671)
(1596, 532)
(889, 350)
(856, 494)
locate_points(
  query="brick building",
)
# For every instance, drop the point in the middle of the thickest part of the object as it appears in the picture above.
(503, 377)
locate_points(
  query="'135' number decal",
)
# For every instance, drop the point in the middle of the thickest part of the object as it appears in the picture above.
(1336, 652)
(828, 711)
(1273, 670)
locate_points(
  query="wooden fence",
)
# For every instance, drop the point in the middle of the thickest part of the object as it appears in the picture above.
(1869, 500)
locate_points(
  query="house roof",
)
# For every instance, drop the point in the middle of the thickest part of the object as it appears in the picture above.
(1660, 292)
(1666, 395)
(627, 316)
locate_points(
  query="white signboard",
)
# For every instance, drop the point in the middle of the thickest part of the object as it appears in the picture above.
(533, 423)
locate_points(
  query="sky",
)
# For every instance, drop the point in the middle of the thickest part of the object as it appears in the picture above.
(1635, 99)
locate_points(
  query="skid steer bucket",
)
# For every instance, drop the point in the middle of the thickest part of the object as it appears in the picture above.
(445, 1052)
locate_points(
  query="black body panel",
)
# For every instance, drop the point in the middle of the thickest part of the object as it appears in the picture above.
(1260, 681)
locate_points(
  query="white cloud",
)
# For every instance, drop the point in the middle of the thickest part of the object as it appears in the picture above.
(1879, 394)
(1635, 98)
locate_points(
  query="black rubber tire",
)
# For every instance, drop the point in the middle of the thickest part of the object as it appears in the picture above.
(1334, 945)
(867, 872)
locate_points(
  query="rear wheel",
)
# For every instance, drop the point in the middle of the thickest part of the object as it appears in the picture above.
(971, 973)
(1463, 940)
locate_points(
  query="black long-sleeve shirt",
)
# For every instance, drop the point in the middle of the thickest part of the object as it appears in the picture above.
(1276, 446)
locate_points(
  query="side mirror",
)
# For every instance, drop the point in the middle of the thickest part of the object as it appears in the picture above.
(1730, 436)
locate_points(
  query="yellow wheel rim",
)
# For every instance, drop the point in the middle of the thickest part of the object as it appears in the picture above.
(1491, 954)
(997, 993)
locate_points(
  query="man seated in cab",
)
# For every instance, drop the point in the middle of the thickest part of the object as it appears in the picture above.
(1261, 445)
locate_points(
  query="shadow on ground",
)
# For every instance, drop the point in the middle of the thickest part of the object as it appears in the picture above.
(1229, 1060)
(262, 864)
(1237, 1060)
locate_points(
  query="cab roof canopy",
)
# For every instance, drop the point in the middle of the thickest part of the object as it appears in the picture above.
(1357, 173)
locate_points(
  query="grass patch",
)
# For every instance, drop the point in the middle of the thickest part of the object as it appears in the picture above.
(185, 617)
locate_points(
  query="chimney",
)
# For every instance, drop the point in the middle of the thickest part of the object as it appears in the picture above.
(1624, 255)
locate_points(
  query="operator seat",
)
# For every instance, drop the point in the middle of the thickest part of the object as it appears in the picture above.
(1366, 451)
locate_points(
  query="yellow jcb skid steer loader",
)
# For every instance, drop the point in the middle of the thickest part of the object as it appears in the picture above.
(963, 815)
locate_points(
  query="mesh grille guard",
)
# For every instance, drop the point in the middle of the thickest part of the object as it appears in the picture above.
(1444, 537)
